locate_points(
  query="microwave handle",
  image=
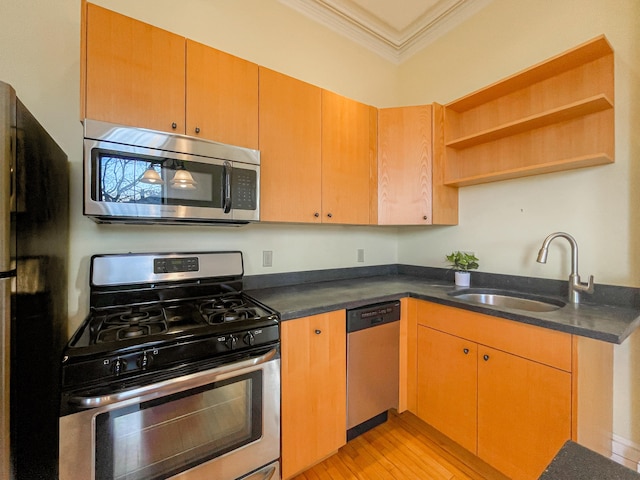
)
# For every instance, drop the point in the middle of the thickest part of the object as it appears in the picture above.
(226, 205)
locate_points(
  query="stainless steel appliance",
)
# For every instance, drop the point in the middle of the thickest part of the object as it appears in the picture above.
(174, 373)
(373, 365)
(34, 179)
(134, 175)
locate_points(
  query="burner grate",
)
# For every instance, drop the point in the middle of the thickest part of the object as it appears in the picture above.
(131, 322)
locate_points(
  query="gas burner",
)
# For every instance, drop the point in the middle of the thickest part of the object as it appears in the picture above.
(232, 315)
(134, 315)
(133, 331)
(217, 305)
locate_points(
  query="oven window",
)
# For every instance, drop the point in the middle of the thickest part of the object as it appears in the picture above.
(143, 179)
(163, 437)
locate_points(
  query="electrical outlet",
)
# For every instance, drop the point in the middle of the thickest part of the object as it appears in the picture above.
(267, 258)
(361, 255)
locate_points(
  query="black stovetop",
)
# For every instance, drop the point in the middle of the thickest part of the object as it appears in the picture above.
(111, 329)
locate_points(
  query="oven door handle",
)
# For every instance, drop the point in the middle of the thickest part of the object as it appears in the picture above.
(173, 385)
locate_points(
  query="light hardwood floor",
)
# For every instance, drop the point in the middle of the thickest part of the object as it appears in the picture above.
(403, 448)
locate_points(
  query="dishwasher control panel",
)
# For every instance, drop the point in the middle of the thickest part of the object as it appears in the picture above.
(372, 315)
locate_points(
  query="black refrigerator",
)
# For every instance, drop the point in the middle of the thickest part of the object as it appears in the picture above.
(34, 244)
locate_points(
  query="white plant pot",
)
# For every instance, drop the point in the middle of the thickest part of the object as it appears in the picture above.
(463, 279)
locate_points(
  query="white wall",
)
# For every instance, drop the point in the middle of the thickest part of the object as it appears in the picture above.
(504, 223)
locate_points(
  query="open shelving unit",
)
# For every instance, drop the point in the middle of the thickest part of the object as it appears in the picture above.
(557, 115)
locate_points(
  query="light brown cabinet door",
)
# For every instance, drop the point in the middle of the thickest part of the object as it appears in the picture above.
(447, 385)
(290, 143)
(222, 96)
(348, 150)
(405, 165)
(134, 72)
(314, 395)
(524, 413)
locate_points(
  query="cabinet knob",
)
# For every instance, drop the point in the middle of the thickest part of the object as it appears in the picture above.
(329, 215)
(485, 357)
(425, 217)
(316, 214)
(318, 332)
(466, 351)
(174, 125)
(197, 129)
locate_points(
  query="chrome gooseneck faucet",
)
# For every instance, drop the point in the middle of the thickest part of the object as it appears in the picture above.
(575, 286)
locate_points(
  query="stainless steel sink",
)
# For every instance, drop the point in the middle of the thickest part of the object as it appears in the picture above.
(508, 299)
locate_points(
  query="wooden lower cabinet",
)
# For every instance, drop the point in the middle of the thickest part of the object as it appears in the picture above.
(313, 389)
(512, 411)
(524, 412)
(447, 375)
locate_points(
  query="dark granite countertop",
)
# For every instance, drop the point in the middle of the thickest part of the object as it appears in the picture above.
(608, 322)
(576, 462)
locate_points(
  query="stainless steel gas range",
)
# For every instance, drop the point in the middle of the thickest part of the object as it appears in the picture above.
(175, 373)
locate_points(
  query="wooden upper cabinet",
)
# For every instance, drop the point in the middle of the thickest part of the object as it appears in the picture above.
(133, 72)
(140, 75)
(290, 146)
(348, 152)
(222, 96)
(410, 164)
(314, 389)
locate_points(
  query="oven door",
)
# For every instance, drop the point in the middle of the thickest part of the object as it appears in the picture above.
(221, 423)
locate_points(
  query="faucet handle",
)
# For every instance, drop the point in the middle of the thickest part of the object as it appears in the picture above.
(585, 287)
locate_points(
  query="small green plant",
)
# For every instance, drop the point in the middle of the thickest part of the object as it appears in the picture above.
(463, 261)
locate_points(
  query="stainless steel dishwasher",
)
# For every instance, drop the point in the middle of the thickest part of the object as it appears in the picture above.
(373, 343)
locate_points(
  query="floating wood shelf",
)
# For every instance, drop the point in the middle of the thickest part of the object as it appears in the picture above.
(538, 169)
(557, 115)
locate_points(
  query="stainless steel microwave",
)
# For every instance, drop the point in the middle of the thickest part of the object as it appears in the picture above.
(135, 175)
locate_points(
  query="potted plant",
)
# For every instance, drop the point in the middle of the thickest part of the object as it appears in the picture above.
(462, 262)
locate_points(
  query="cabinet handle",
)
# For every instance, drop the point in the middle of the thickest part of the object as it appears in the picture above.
(174, 125)
(485, 357)
(316, 214)
(318, 332)
(329, 215)
(197, 129)
(466, 351)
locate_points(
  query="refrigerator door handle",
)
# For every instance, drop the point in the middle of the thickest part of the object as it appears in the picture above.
(12, 185)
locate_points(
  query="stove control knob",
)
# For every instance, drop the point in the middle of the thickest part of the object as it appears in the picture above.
(119, 366)
(249, 339)
(144, 360)
(231, 342)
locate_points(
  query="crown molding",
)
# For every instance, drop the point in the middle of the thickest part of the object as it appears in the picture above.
(396, 46)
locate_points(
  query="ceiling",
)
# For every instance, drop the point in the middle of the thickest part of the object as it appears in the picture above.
(394, 29)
